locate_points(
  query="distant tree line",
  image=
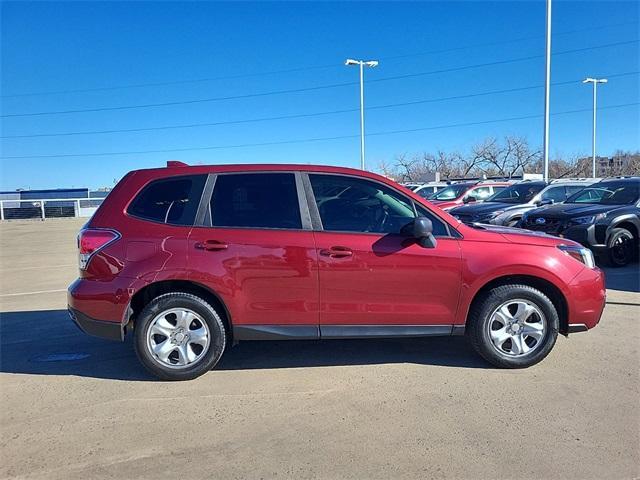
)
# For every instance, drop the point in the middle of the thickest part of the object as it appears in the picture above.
(511, 156)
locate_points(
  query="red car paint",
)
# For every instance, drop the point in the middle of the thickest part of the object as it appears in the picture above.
(459, 200)
(269, 277)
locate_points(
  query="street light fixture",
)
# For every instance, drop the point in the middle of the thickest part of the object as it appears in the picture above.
(595, 82)
(361, 64)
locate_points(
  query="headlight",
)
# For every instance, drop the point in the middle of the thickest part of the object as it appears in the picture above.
(588, 219)
(496, 213)
(581, 254)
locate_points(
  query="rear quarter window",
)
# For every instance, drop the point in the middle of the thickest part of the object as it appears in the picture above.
(171, 200)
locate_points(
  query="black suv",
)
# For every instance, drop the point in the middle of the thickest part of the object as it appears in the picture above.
(604, 217)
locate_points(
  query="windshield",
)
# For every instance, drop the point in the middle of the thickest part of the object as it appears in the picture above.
(451, 192)
(608, 194)
(518, 193)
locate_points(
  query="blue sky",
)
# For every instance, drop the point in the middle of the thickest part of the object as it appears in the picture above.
(65, 47)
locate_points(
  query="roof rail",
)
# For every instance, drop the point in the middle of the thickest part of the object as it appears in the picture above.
(576, 179)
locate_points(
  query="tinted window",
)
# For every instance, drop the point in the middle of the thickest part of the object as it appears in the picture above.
(518, 193)
(364, 206)
(172, 200)
(479, 193)
(451, 192)
(623, 193)
(255, 200)
(571, 189)
(425, 192)
(557, 194)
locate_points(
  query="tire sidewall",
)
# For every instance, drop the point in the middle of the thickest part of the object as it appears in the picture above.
(208, 315)
(497, 297)
(615, 235)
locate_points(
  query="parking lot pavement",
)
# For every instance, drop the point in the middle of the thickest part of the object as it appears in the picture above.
(80, 407)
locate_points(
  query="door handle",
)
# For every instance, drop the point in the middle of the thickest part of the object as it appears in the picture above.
(336, 252)
(211, 245)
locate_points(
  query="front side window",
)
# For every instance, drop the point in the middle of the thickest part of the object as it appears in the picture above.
(518, 193)
(364, 206)
(255, 200)
(425, 192)
(557, 194)
(608, 194)
(451, 192)
(170, 200)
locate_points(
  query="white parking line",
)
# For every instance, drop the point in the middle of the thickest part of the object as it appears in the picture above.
(32, 293)
(40, 267)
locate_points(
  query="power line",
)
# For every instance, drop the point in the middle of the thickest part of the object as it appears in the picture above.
(306, 89)
(312, 67)
(309, 140)
(304, 115)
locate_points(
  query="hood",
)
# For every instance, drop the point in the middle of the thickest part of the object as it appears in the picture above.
(526, 237)
(572, 210)
(481, 208)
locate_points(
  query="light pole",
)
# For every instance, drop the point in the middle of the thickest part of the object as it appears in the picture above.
(362, 64)
(547, 87)
(595, 82)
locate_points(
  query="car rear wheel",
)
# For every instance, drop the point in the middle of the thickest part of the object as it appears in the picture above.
(621, 248)
(513, 326)
(179, 336)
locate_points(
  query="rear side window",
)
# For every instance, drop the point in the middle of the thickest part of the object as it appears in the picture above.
(256, 200)
(169, 200)
(557, 194)
(480, 193)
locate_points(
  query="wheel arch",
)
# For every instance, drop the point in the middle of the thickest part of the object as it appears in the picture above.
(628, 224)
(143, 296)
(545, 286)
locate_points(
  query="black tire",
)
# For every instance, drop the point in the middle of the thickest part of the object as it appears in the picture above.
(621, 248)
(480, 315)
(205, 311)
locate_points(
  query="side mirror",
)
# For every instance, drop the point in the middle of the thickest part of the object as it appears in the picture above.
(423, 232)
(540, 203)
(469, 199)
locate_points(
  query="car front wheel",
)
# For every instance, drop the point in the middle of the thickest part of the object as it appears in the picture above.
(513, 326)
(621, 247)
(179, 336)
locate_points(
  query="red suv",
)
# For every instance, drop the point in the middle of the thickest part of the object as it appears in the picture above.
(461, 193)
(190, 260)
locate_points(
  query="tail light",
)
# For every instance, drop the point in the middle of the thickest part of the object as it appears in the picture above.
(91, 241)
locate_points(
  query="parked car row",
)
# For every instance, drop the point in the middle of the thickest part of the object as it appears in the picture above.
(601, 215)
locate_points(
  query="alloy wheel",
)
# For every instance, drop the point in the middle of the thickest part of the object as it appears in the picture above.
(517, 327)
(622, 249)
(178, 338)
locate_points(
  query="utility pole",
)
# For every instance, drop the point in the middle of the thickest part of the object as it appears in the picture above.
(547, 87)
(362, 64)
(595, 82)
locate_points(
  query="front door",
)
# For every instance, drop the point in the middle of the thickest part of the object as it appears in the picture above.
(370, 273)
(259, 255)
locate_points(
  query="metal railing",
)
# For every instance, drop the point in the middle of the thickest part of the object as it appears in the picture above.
(43, 208)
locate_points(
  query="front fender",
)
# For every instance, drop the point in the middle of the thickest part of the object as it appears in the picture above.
(508, 260)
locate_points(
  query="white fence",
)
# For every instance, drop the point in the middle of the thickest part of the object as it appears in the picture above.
(48, 208)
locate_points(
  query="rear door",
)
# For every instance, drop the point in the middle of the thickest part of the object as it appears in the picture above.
(370, 273)
(255, 248)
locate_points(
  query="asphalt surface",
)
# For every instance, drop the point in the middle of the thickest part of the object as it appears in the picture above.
(80, 407)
